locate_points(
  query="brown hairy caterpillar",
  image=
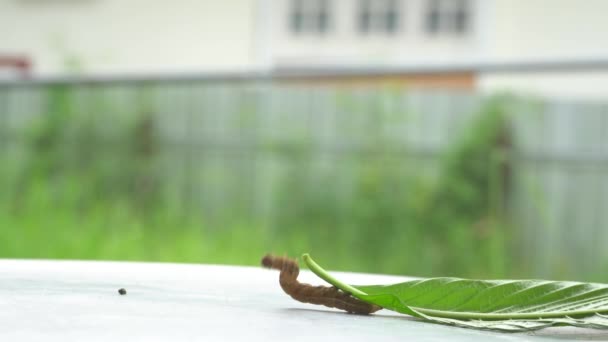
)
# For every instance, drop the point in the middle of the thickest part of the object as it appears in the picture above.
(321, 295)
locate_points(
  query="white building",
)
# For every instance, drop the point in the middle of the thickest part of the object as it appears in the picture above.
(94, 37)
(128, 36)
(549, 30)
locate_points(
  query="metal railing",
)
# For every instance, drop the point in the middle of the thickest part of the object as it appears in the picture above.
(223, 143)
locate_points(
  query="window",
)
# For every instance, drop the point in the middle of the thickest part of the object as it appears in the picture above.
(448, 17)
(379, 16)
(309, 16)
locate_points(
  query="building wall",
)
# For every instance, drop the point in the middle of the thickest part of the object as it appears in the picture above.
(535, 29)
(548, 30)
(128, 36)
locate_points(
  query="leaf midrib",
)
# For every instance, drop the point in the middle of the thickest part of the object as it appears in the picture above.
(501, 316)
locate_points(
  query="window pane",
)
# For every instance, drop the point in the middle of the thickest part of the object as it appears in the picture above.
(296, 22)
(432, 22)
(323, 22)
(364, 22)
(323, 17)
(433, 16)
(381, 16)
(448, 16)
(364, 16)
(392, 17)
(309, 16)
(461, 22)
(461, 17)
(297, 16)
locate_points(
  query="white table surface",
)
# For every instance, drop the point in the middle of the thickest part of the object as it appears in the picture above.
(78, 301)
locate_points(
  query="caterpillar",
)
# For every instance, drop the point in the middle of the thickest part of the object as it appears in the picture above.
(321, 295)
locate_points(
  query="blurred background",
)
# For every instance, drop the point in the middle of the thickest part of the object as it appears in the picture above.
(417, 137)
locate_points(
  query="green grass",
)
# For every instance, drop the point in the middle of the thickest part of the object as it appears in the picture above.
(74, 191)
(113, 233)
(40, 226)
(45, 228)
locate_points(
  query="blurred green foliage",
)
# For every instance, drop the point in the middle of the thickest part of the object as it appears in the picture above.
(87, 190)
(398, 220)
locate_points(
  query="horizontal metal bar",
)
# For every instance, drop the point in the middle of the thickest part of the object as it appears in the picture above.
(574, 160)
(523, 66)
(326, 71)
(109, 79)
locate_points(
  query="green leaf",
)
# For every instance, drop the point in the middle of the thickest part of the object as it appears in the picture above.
(507, 305)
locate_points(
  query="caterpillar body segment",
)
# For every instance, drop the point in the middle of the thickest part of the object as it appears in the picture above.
(321, 295)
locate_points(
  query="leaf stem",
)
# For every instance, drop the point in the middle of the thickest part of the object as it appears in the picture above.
(321, 273)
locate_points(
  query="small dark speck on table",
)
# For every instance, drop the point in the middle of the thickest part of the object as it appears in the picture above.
(122, 292)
